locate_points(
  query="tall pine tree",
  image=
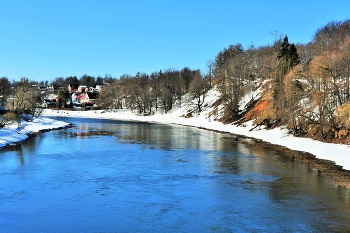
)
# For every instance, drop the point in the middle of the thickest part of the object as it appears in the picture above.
(287, 58)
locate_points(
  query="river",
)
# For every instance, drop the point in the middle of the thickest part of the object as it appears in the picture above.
(115, 176)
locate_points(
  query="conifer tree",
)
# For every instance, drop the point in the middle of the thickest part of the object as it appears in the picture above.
(64, 98)
(287, 58)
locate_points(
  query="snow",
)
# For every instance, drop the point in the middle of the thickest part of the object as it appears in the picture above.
(12, 134)
(338, 153)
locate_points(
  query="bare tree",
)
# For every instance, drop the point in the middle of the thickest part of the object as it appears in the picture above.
(197, 88)
(210, 72)
(113, 95)
(25, 101)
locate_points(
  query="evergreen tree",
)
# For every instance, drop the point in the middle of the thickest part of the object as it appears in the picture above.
(64, 99)
(287, 58)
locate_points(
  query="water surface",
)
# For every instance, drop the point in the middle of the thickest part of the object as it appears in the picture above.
(160, 178)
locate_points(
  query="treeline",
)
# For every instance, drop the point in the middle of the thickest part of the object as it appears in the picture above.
(155, 92)
(306, 86)
(88, 80)
(20, 100)
(312, 91)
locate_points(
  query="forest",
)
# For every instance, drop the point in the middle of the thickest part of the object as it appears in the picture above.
(305, 87)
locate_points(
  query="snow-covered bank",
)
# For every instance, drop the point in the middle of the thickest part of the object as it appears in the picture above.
(12, 134)
(340, 154)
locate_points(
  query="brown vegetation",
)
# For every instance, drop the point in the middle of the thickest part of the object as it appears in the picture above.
(329, 169)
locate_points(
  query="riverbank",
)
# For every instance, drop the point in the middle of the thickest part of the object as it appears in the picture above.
(332, 160)
(11, 134)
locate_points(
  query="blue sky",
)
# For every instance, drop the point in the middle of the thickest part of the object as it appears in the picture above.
(44, 39)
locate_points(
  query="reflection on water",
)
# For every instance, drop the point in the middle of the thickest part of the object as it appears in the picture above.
(143, 177)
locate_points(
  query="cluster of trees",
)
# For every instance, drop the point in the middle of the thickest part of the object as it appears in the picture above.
(309, 83)
(157, 91)
(324, 82)
(232, 73)
(20, 98)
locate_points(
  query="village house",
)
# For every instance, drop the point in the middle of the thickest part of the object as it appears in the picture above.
(99, 87)
(56, 87)
(73, 87)
(82, 88)
(81, 99)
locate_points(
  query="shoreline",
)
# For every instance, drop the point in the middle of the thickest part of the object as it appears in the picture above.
(327, 168)
(337, 174)
(29, 135)
(12, 136)
(324, 167)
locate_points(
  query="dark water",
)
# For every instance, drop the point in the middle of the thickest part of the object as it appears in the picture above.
(161, 178)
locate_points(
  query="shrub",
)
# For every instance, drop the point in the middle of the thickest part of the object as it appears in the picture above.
(11, 116)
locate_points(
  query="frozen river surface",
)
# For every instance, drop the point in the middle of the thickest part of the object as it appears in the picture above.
(113, 176)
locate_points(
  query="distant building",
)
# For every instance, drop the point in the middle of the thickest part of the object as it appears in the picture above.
(82, 88)
(56, 87)
(73, 87)
(99, 86)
